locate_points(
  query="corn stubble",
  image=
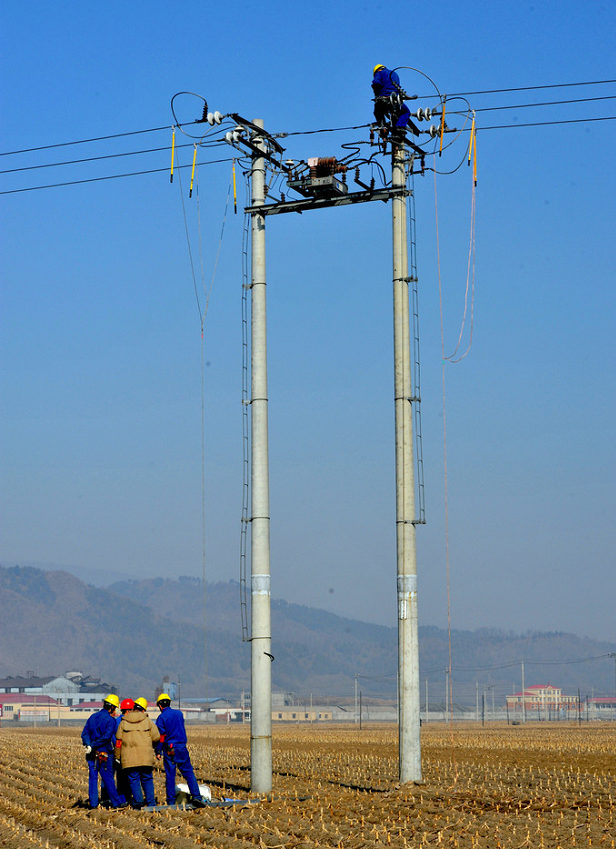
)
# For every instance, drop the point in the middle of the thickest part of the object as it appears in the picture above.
(498, 787)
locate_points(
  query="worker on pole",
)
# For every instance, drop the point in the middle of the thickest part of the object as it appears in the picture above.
(389, 101)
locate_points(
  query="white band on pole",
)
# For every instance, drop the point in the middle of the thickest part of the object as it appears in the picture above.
(260, 584)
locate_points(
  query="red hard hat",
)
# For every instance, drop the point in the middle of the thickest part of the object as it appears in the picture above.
(127, 704)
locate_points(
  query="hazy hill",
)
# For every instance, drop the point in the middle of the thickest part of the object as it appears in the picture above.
(135, 632)
(53, 622)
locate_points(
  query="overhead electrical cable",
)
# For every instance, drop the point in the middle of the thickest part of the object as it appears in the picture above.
(530, 88)
(546, 103)
(99, 158)
(509, 665)
(87, 141)
(551, 123)
(110, 177)
(304, 132)
(214, 142)
(221, 142)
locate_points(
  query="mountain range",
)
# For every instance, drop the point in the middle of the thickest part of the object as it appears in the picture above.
(136, 633)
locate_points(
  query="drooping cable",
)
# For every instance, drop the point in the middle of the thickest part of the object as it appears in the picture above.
(190, 253)
(445, 476)
(420, 500)
(222, 233)
(470, 286)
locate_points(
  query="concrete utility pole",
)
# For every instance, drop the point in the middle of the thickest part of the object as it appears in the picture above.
(261, 631)
(408, 640)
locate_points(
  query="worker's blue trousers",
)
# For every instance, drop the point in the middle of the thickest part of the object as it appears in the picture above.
(180, 759)
(141, 777)
(105, 769)
(403, 117)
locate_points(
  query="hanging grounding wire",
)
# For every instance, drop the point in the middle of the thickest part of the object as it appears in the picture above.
(420, 510)
(245, 520)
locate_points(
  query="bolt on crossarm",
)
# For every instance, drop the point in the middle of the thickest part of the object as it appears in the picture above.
(261, 674)
(408, 639)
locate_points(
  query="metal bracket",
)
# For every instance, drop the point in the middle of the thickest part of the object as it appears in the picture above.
(320, 203)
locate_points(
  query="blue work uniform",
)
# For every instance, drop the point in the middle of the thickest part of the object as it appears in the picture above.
(170, 723)
(99, 732)
(385, 83)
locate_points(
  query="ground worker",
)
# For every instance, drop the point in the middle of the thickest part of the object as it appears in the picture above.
(386, 83)
(98, 737)
(170, 723)
(122, 781)
(136, 738)
(141, 704)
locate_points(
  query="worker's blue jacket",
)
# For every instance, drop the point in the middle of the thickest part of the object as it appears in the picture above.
(170, 723)
(99, 731)
(385, 82)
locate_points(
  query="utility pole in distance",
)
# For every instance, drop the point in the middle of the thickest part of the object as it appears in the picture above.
(261, 630)
(408, 641)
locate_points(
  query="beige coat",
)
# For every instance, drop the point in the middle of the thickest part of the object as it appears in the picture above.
(135, 737)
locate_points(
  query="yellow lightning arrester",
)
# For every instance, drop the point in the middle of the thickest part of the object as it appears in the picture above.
(234, 191)
(472, 140)
(172, 155)
(192, 176)
(440, 150)
(475, 157)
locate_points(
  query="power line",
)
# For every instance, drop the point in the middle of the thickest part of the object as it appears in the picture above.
(550, 123)
(508, 665)
(528, 88)
(99, 158)
(216, 143)
(547, 103)
(87, 141)
(108, 177)
(301, 132)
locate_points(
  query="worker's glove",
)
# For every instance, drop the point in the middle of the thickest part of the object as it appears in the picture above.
(88, 749)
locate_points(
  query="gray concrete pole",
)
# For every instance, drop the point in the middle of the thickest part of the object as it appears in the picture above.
(408, 640)
(261, 639)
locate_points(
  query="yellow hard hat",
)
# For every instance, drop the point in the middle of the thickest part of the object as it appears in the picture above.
(112, 699)
(143, 703)
(376, 68)
(162, 698)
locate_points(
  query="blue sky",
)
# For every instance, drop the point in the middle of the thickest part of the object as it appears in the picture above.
(101, 344)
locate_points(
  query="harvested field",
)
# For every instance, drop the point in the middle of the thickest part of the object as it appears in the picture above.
(541, 786)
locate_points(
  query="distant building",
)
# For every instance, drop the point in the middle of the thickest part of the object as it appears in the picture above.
(19, 706)
(542, 700)
(70, 689)
(603, 703)
(21, 684)
(300, 714)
